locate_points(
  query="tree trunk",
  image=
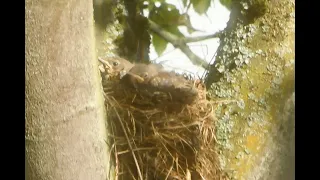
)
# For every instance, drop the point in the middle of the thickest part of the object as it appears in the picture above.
(255, 67)
(65, 120)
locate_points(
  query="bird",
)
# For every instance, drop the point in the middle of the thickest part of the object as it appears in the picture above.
(153, 80)
(176, 86)
(142, 74)
(116, 66)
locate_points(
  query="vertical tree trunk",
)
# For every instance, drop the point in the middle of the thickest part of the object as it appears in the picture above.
(65, 129)
(255, 67)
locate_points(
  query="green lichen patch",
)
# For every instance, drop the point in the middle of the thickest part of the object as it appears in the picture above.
(259, 87)
(105, 38)
(234, 50)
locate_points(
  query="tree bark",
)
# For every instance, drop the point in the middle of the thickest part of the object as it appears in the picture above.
(65, 128)
(256, 63)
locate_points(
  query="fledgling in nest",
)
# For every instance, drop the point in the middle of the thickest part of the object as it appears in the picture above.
(162, 125)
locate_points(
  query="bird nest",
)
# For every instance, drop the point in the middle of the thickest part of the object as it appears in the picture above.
(168, 140)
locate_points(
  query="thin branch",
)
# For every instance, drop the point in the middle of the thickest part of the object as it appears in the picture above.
(189, 5)
(164, 34)
(179, 43)
(196, 60)
(201, 38)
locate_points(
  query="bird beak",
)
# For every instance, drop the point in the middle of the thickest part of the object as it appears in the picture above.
(104, 62)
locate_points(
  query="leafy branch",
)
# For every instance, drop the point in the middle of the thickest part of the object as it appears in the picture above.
(181, 43)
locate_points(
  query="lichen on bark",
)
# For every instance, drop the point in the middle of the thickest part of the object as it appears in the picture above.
(260, 80)
(108, 29)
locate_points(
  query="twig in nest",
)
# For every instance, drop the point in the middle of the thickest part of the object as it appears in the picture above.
(177, 163)
(168, 174)
(137, 149)
(181, 139)
(116, 156)
(130, 172)
(183, 126)
(129, 144)
(134, 97)
(160, 137)
(188, 175)
(165, 147)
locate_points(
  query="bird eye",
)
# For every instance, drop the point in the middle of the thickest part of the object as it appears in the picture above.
(145, 75)
(186, 76)
(115, 63)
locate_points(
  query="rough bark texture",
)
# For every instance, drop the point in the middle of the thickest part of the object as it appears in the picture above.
(256, 134)
(65, 121)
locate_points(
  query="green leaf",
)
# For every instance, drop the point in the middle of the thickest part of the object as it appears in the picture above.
(201, 6)
(226, 3)
(159, 43)
(162, 16)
